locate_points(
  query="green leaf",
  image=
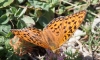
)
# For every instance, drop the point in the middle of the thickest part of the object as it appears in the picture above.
(7, 45)
(4, 19)
(43, 21)
(39, 4)
(48, 15)
(4, 3)
(28, 20)
(22, 12)
(20, 1)
(20, 24)
(94, 2)
(2, 40)
(13, 10)
(11, 56)
(17, 13)
(61, 10)
(4, 29)
(1, 48)
(53, 3)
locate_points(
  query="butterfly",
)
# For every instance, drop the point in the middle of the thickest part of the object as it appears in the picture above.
(55, 34)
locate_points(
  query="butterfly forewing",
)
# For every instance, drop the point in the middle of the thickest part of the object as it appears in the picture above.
(72, 23)
(62, 28)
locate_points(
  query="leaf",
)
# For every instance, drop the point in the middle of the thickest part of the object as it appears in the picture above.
(2, 40)
(20, 1)
(4, 19)
(20, 24)
(43, 21)
(11, 56)
(94, 2)
(23, 11)
(17, 13)
(39, 4)
(61, 10)
(28, 20)
(53, 3)
(13, 10)
(4, 29)
(5, 3)
(1, 48)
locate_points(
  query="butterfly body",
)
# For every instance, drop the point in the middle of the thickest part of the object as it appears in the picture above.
(56, 33)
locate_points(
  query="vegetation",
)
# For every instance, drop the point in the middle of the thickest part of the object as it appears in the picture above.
(18, 14)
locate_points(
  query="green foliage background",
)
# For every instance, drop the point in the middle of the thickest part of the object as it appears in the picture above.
(17, 14)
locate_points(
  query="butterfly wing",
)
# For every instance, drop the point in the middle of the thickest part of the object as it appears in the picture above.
(61, 29)
(52, 33)
(31, 35)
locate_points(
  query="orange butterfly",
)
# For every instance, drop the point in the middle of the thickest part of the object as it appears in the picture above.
(56, 33)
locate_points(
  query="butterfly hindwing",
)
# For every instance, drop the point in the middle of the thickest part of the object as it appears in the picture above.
(32, 35)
